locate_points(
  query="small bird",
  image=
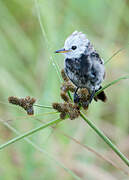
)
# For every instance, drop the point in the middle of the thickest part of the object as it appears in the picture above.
(83, 66)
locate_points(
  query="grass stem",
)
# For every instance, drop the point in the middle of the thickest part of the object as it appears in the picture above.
(106, 139)
(117, 52)
(42, 150)
(111, 83)
(30, 133)
(43, 106)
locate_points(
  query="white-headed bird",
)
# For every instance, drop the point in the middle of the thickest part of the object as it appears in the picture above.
(83, 65)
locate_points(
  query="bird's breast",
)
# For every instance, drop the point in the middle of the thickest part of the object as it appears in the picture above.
(77, 70)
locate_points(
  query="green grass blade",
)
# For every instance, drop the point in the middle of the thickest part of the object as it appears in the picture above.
(55, 65)
(106, 139)
(30, 133)
(43, 106)
(42, 151)
(111, 83)
(116, 53)
(99, 155)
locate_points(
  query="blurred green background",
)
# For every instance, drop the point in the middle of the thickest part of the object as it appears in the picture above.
(26, 68)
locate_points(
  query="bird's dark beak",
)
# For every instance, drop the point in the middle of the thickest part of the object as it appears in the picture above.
(62, 51)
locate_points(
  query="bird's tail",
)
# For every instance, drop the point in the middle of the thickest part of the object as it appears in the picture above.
(101, 96)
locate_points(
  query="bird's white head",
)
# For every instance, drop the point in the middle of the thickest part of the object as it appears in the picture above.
(75, 45)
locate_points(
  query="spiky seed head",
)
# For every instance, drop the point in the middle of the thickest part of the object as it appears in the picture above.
(64, 96)
(64, 76)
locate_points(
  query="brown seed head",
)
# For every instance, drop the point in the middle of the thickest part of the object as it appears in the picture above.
(14, 100)
(74, 111)
(84, 105)
(64, 76)
(62, 115)
(26, 103)
(64, 96)
(67, 108)
(68, 86)
(57, 106)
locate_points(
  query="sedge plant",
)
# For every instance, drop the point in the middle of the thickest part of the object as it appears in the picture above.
(82, 115)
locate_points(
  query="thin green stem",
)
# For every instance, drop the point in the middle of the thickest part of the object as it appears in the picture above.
(30, 133)
(111, 83)
(48, 155)
(69, 95)
(54, 63)
(43, 106)
(107, 140)
(117, 52)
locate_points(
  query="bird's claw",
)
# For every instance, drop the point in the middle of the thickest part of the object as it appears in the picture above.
(76, 98)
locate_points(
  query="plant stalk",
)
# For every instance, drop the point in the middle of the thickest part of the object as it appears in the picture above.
(30, 132)
(111, 83)
(117, 52)
(43, 106)
(106, 139)
(49, 156)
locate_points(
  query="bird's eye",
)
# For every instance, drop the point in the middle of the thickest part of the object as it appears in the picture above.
(74, 47)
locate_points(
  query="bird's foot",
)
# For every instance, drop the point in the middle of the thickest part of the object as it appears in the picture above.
(91, 96)
(76, 98)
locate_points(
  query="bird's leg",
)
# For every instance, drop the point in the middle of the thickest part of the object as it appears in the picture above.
(76, 97)
(91, 96)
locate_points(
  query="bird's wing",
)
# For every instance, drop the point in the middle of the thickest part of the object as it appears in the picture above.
(97, 69)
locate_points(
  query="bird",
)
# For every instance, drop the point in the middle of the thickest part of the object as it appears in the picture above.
(83, 66)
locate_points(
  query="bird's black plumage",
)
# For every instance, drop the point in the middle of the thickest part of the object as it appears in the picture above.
(77, 70)
(84, 71)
